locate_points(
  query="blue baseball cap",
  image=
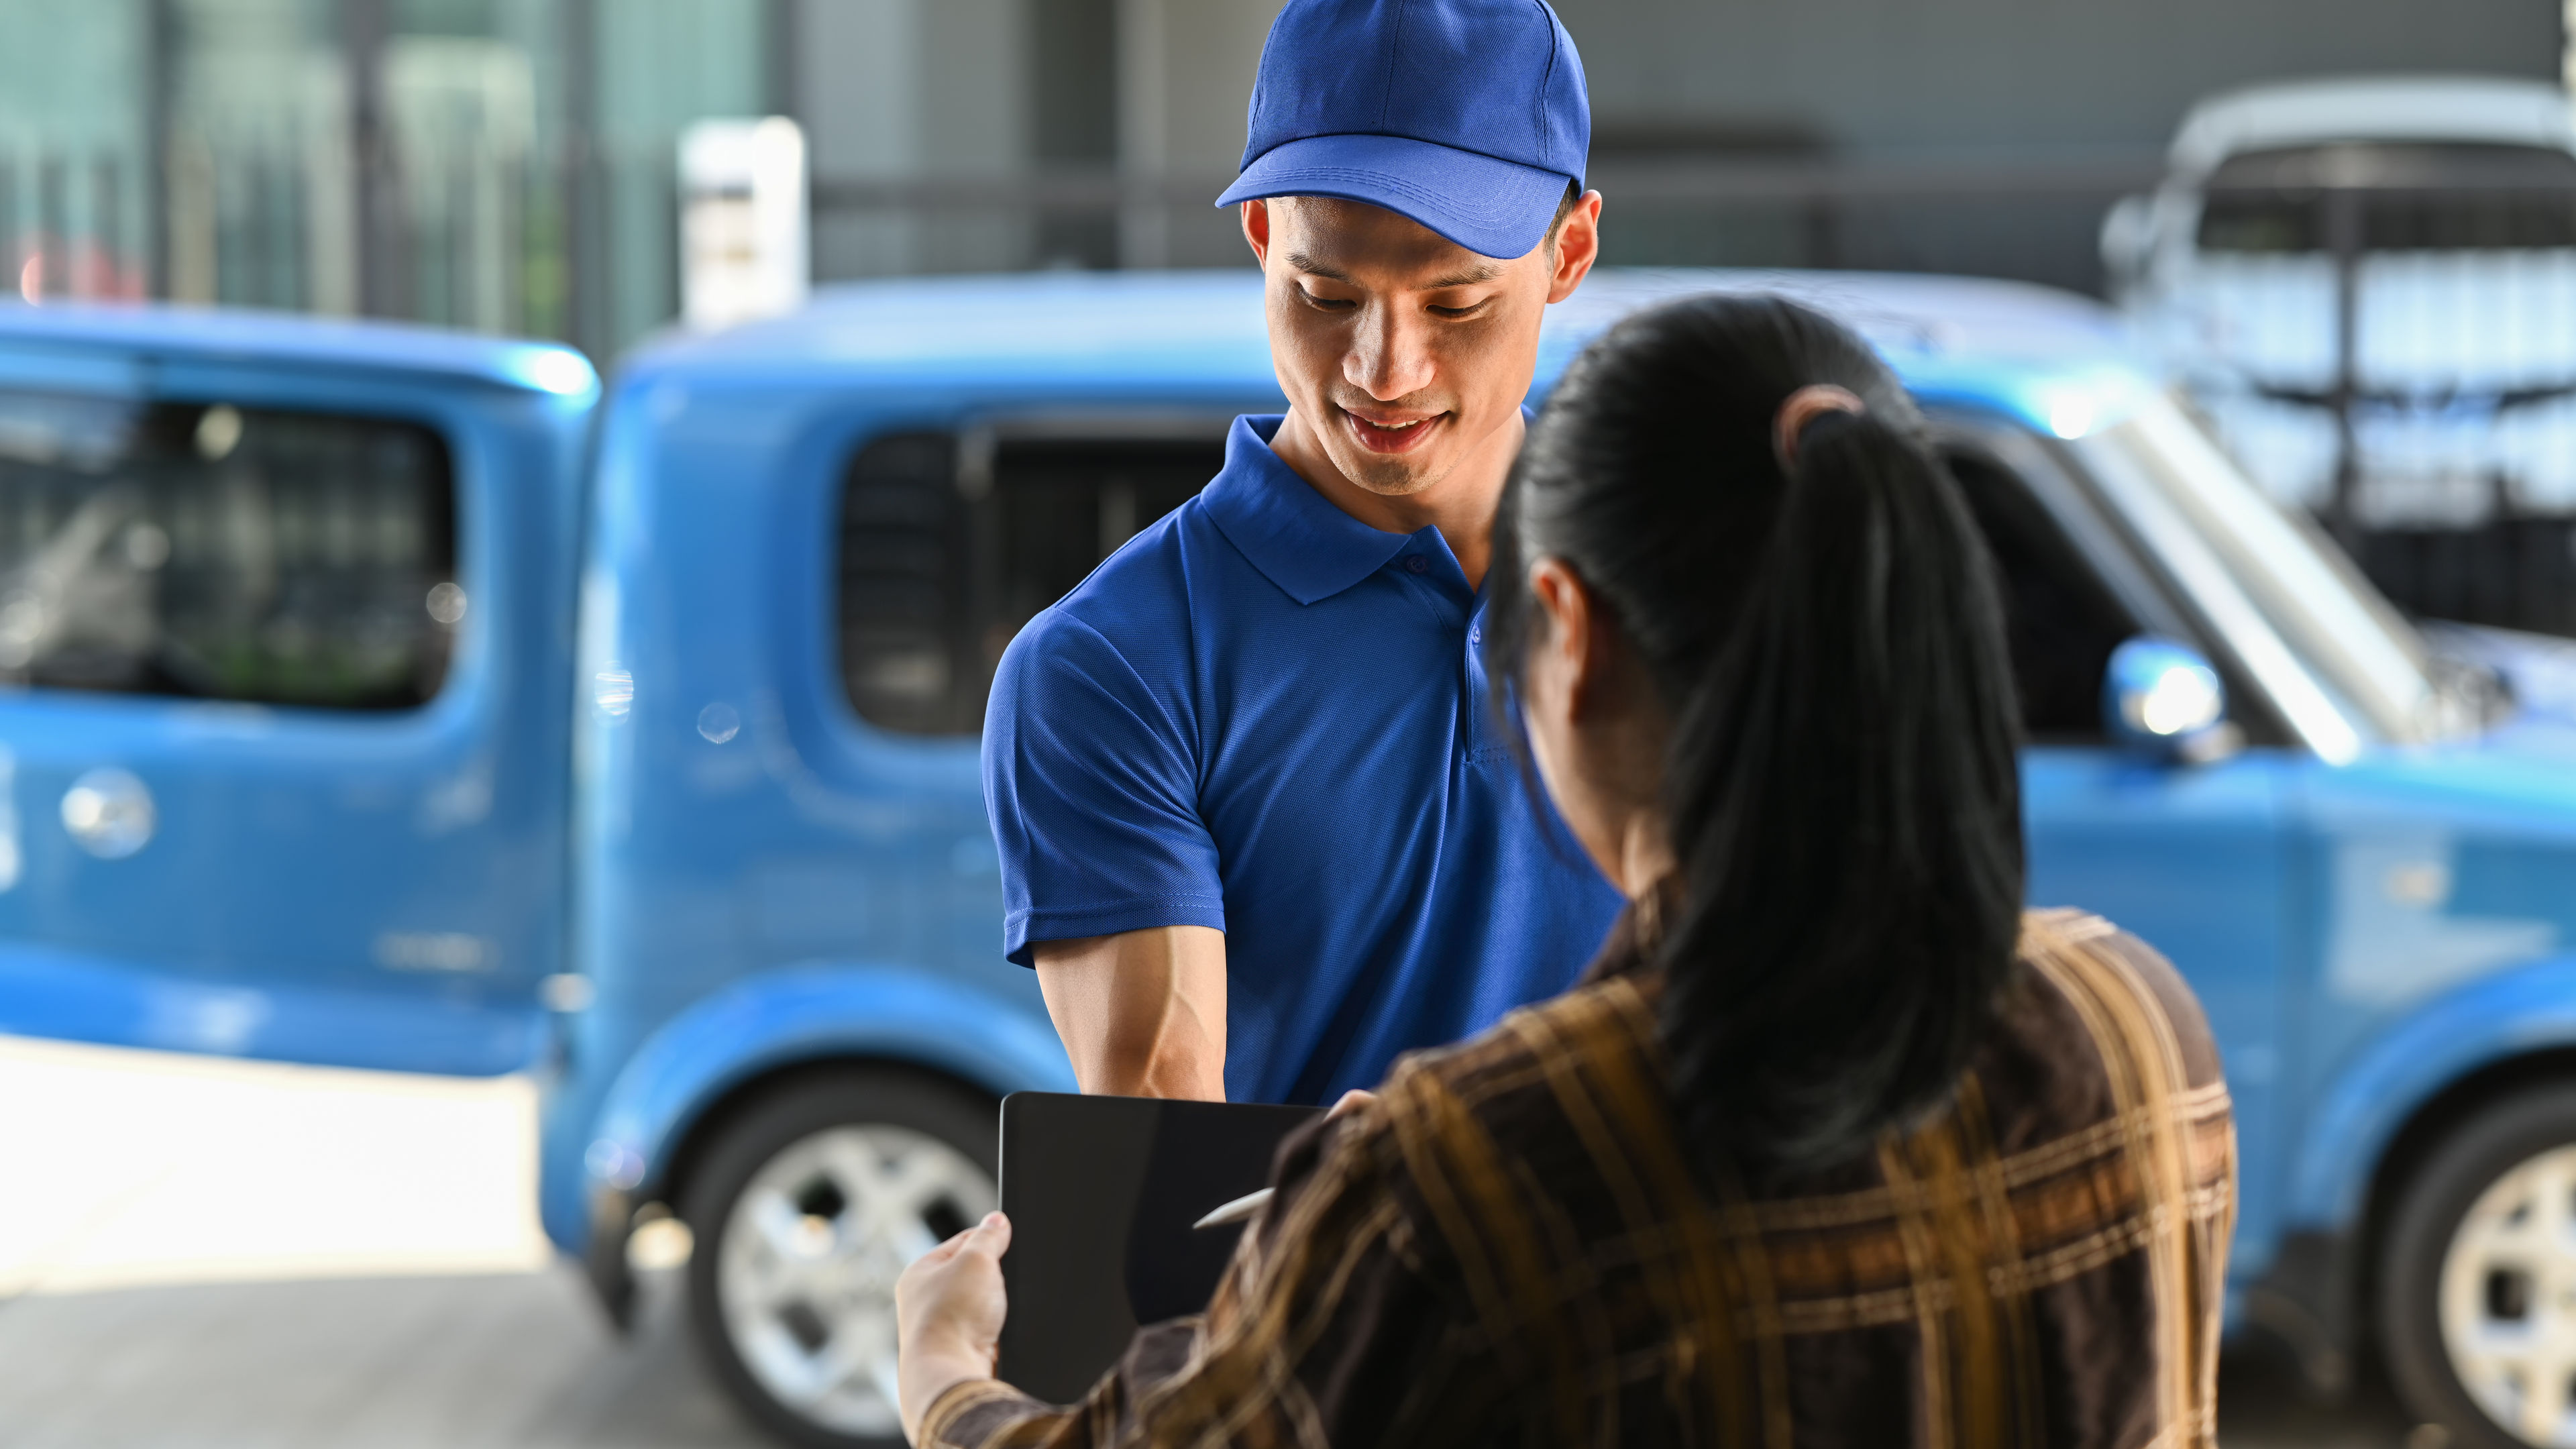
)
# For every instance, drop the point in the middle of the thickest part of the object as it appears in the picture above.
(1468, 116)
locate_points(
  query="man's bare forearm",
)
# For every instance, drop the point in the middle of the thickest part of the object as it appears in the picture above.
(1142, 1013)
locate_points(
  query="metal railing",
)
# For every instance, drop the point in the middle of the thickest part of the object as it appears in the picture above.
(71, 225)
(451, 236)
(577, 242)
(2012, 217)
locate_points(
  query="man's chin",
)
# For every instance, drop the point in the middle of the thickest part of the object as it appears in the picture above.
(1392, 476)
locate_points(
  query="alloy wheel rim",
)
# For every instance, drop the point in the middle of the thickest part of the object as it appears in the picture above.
(811, 1251)
(2508, 1299)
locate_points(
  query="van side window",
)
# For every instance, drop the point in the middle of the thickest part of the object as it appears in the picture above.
(941, 564)
(2062, 620)
(222, 552)
(903, 584)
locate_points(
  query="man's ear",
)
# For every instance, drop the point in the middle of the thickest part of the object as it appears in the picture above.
(1578, 246)
(1256, 229)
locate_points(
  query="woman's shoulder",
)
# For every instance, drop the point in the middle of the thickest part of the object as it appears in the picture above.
(2098, 1027)
(2121, 986)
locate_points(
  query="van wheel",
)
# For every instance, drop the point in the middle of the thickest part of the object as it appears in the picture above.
(804, 1213)
(2477, 1289)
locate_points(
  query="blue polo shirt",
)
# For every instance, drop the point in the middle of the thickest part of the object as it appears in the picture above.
(1265, 716)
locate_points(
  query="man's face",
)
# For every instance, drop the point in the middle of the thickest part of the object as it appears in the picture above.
(1403, 351)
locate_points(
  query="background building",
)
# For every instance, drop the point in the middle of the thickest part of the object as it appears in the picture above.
(508, 164)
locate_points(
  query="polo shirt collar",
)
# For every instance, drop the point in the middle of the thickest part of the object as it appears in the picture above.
(1293, 534)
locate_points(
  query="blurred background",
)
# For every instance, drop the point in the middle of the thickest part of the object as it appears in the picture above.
(509, 166)
(2346, 227)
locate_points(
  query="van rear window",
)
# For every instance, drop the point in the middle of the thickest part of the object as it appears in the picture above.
(214, 551)
(2415, 197)
(946, 550)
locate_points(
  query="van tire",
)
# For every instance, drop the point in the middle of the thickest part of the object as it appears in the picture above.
(2432, 1220)
(799, 1143)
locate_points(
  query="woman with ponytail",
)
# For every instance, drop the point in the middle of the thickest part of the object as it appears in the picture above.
(1835, 1144)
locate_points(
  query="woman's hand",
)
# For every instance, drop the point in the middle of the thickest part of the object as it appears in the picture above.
(948, 1310)
(1352, 1101)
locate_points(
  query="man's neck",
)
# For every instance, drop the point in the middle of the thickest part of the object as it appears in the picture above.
(1461, 504)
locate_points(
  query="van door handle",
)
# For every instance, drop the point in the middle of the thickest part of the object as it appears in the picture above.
(109, 813)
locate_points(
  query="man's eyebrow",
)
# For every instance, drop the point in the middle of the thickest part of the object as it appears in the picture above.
(1482, 272)
(1305, 263)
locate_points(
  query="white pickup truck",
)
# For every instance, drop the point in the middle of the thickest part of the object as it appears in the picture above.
(2449, 345)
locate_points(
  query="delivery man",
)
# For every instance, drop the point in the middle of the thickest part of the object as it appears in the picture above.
(1260, 831)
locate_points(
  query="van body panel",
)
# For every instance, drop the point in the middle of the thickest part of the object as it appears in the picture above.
(2367, 1099)
(997, 1041)
(352, 886)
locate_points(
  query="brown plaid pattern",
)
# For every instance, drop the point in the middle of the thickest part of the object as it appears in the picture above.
(1513, 1247)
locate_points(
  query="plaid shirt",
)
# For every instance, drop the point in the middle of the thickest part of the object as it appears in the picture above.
(1513, 1247)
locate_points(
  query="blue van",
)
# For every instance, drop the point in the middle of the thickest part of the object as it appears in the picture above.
(397, 699)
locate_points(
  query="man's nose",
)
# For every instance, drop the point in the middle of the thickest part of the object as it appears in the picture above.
(1388, 357)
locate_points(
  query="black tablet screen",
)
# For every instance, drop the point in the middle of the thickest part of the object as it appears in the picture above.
(1102, 1192)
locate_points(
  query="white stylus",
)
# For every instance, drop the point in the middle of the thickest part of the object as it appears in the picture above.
(1236, 1211)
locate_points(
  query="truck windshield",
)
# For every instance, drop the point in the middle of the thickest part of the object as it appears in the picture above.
(2368, 659)
(2417, 196)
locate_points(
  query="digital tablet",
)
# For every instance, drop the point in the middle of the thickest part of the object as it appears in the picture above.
(1102, 1193)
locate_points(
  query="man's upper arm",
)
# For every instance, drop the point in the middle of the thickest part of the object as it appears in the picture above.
(1141, 1013)
(1092, 786)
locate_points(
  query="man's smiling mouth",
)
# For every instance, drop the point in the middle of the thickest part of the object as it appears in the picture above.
(1395, 436)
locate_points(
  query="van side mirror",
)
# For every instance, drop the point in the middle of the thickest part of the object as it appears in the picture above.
(2128, 242)
(2162, 700)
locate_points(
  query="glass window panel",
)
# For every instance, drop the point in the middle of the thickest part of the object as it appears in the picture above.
(2308, 591)
(2061, 619)
(2480, 197)
(222, 552)
(934, 585)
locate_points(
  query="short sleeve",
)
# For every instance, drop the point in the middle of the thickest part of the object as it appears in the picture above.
(1092, 787)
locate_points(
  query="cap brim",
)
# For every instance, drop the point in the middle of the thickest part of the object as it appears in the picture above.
(1493, 208)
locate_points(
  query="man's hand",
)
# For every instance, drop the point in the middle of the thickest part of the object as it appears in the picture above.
(1142, 1013)
(948, 1311)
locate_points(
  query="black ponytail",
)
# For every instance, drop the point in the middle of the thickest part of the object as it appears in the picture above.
(1841, 788)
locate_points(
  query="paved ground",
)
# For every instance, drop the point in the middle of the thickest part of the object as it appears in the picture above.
(361, 1363)
(223, 1256)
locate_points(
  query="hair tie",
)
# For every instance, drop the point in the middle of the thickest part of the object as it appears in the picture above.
(1803, 407)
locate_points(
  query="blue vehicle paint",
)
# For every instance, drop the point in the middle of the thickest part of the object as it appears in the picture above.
(293, 843)
(2519, 1012)
(2445, 897)
(790, 1017)
(685, 812)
